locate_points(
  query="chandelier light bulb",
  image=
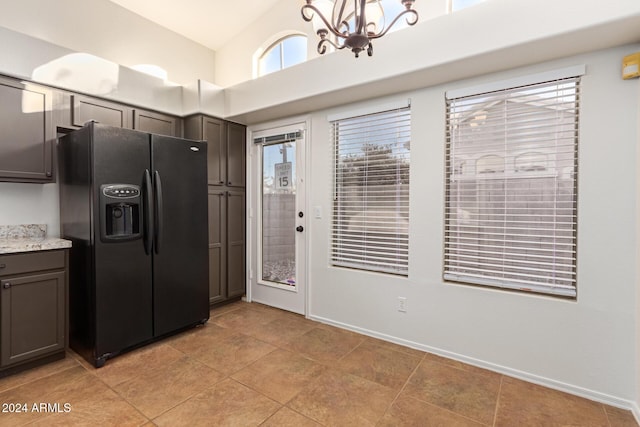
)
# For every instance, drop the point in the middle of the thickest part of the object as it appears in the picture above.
(352, 24)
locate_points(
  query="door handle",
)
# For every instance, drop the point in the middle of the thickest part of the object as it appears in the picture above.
(6, 285)
(158, 212)
(299, 229)
(146, 207)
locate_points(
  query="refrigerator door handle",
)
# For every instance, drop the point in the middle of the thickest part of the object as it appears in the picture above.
(147, 214)
(158, 223)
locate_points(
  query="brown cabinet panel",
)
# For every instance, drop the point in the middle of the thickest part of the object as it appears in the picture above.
(32, 316)
(235, 244)
(27, 134)
(31, 262)
(217, 253)
(236, 141)
(86, 109)
(157, 123)
(213, 131)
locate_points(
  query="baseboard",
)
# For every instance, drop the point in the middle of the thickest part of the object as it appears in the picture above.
(525, 376)
(635, 409)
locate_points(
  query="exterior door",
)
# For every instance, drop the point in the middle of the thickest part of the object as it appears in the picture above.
(279, 218)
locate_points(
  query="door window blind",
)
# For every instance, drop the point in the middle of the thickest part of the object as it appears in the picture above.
(370, 219)
(511, 188)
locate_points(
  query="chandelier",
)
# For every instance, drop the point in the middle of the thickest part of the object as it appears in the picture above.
(355, 26)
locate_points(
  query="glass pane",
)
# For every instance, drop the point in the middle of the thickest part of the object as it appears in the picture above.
(461, 4)
(279, 213)
(270, 61)
(294, 50)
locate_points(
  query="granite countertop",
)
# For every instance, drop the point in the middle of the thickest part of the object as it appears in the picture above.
(28, 238)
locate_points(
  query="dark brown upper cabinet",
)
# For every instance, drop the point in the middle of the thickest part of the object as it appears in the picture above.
(236, 141)
(214, 131)
(27, 135)
(226, 148)
(161, 124)
(85, 109)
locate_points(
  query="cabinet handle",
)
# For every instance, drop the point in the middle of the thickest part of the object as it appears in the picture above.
(3, 265)
(220, 182)
(7, 285)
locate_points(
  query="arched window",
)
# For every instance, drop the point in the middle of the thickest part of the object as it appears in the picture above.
(455, 5)
(287, 51)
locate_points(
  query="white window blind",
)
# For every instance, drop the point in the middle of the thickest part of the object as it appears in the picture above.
(370, 221)
(511, 192)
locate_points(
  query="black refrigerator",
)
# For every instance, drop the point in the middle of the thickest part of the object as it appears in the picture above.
(134, 206)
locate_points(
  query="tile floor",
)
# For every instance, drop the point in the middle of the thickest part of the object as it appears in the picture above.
(254, 365)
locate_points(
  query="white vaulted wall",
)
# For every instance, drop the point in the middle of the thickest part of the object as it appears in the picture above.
(106, 30)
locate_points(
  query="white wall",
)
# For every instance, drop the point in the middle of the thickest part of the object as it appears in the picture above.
(588, 346)
(30, 204)
(107, 30)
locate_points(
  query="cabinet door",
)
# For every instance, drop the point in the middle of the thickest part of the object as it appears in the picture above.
(214, 133)
(85, 109)
(236, 140)
(235, 244)
(217, 249)
(26, 136)
(32, 317)
(160, 124)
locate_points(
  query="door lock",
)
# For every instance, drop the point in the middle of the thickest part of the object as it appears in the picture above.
(299, 229)
(300, 214)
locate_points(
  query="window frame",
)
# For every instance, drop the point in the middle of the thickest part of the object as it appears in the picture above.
(520, 267)
(280, 42)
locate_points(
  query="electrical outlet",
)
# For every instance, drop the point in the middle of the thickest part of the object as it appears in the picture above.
(402, 304)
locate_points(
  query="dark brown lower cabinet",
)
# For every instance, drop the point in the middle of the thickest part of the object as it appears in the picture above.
(226, 244)
(235, 244)
(33, 301)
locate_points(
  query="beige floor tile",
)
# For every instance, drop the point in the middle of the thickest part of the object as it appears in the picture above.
(473, 395)
(324, 345)
(285, 417)
(71, 386)
(102, 409)
(280, 330)
(137, 362)
(226, 404)
(523, 403)
(33, 374)
(199, 339)
(279, 375)
(396, 347)
(219, 310)
(341, 399)
(620, 417)
(156, 392)
(407, 411)
(233, 353)
(244, 318)
(456, 364)
(380, 364)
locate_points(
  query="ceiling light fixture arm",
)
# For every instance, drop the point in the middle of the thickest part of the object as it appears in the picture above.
(329, 26)
(363, 30)
(409, 22)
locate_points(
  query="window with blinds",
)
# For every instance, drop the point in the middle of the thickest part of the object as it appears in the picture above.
(511, 192)
(370, 227)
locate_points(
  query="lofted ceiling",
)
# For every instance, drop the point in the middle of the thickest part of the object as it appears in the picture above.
(211, 23)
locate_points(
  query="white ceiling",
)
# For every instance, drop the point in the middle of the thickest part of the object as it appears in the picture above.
(211, 23)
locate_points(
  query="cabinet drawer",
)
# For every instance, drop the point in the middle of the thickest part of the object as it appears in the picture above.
(29, 262)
